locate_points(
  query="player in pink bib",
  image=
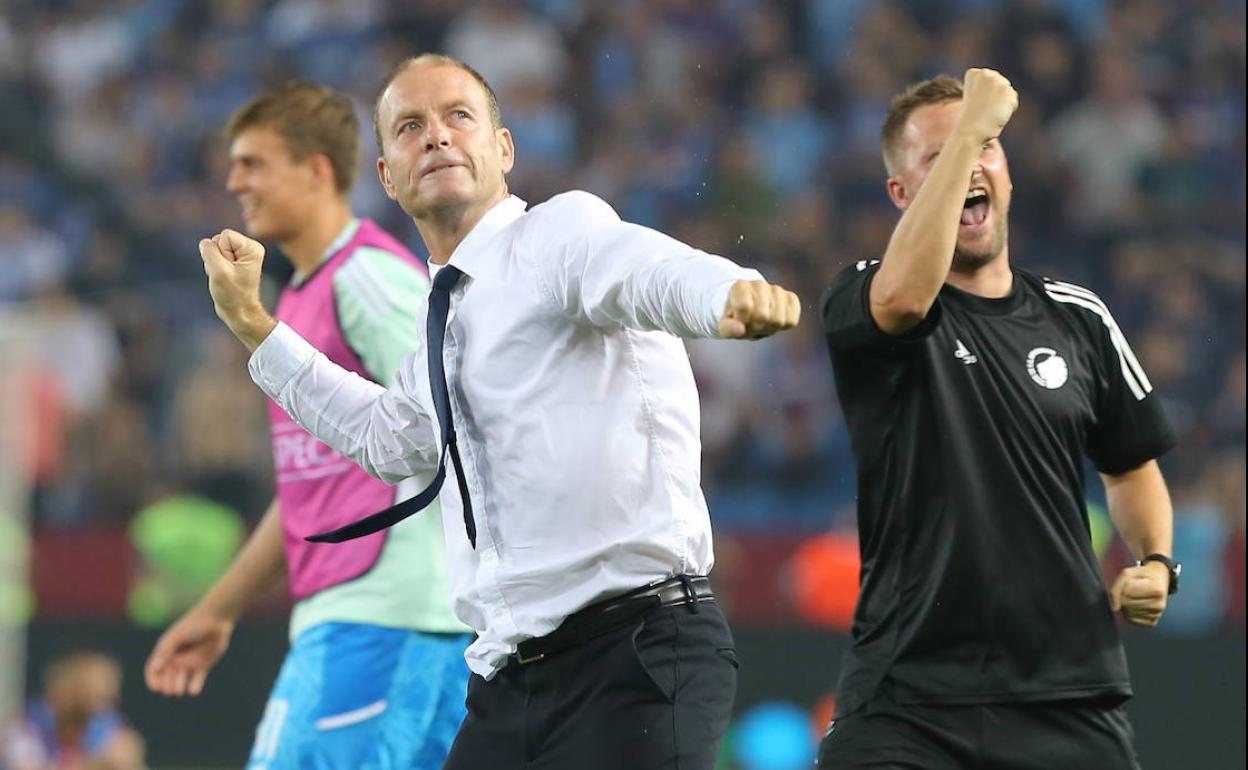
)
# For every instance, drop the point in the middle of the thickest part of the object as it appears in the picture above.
(375, 676)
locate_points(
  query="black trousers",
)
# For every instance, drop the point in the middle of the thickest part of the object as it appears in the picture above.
(654, 695)
(1053, 735)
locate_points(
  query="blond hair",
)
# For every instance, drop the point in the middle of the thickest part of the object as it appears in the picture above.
(312, 120)
(937, 90)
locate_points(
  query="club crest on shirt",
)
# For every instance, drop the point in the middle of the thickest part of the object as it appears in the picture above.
(1047, 368)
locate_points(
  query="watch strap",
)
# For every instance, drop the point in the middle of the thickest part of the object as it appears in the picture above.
(1173, 567)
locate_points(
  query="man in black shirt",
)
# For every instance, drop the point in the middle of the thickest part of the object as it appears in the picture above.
(984, 637)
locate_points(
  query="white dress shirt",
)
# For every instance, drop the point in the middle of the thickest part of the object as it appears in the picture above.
(574, 406)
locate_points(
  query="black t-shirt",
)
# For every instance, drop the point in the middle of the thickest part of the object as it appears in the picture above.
(979, 583)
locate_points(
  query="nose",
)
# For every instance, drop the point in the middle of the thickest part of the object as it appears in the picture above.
(977, 171)
(234, 183)
(436, 135)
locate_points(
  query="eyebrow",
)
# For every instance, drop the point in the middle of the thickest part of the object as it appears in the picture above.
(444, 107)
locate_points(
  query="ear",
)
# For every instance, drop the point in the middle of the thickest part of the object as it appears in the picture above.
(897, 192)
(322, 169)
(383, 173)
(506, 149)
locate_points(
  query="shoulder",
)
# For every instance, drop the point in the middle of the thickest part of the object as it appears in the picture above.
(558, 228)
(570, 211)
(859, 267)
(379, 269)
(366, 255)
(372, 236)
(374, 286)
(844, 303)
(1072, 300)
(853, 274)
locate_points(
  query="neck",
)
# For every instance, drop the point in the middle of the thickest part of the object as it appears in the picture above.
(444, 229)
(306, 248)
(993, 280)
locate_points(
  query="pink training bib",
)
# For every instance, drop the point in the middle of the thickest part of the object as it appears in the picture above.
(317, 488)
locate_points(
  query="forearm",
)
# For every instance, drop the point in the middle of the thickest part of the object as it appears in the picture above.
(257, 569)
(387, 432)
(1139, 505)
(920, 252)
(684, 295)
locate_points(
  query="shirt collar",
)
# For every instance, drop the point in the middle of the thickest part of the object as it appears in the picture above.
(985, 305)
(468, 256)
(336, 246)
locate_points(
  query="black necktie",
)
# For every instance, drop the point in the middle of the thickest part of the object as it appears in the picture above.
(435, 333)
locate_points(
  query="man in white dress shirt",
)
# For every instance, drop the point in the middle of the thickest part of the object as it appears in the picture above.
(562, 399)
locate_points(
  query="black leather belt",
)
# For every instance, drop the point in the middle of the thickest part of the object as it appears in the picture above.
(616, 612)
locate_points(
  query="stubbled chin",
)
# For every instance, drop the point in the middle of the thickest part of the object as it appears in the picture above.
(425, 202)
(981, 246)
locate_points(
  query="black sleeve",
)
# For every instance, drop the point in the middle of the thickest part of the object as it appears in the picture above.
(1130, 426)
(846, 309)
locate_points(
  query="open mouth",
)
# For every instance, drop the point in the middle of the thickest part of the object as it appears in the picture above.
(975, 207)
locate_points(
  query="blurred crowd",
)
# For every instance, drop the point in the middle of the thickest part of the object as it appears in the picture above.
(75, 722)
(748, 128)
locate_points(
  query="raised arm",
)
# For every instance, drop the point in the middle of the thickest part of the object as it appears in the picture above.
(387, 432)
(920, 252)
(606, 272)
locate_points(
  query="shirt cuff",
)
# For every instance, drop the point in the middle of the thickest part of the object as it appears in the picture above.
(717, 298)
(278, 358)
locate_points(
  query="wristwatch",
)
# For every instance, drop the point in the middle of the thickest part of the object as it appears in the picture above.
(1173, 566)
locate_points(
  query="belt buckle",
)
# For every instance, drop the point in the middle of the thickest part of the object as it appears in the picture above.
(524, 660)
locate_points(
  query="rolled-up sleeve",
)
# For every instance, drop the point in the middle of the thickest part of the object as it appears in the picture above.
(387, 432)
(609, 273)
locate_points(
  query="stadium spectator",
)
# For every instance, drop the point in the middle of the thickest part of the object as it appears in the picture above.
(76, 724)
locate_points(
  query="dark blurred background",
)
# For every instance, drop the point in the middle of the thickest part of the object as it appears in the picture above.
(744, 127)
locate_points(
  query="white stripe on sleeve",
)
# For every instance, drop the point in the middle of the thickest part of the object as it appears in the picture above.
(1132, 372)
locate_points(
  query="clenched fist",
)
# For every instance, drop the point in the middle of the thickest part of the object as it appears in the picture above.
(1141, 593)
(757, 309)
(988, 103)
(232, 262)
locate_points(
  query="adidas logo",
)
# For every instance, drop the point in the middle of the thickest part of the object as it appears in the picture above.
(964, 355)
